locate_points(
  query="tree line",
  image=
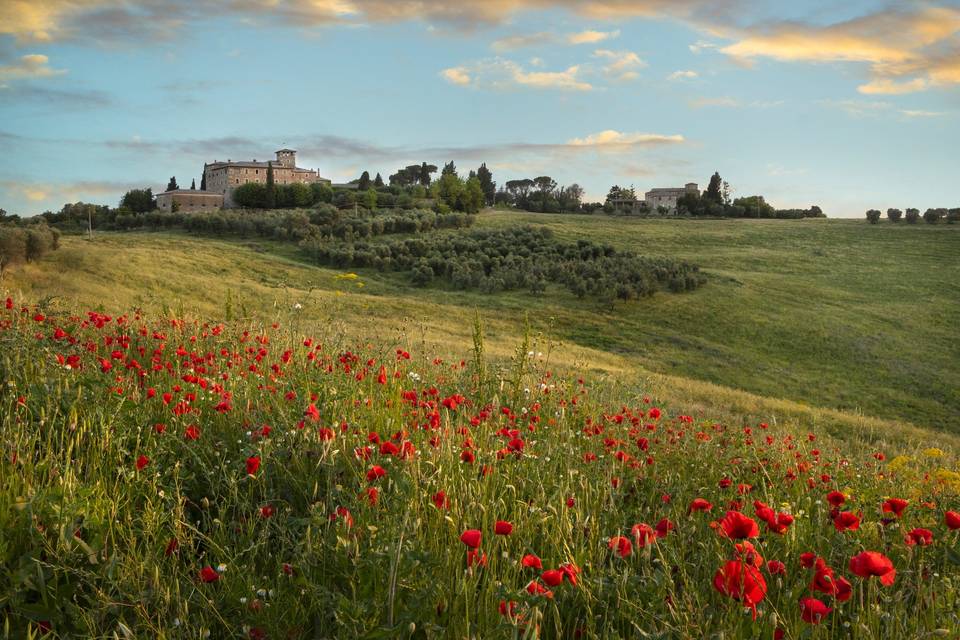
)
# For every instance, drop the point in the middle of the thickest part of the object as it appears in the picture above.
(912, 215)
(325, 222)
(521, 258)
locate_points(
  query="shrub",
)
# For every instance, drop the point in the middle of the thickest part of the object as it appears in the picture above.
(873, 215)
(932, 216)
(894, 215)
(911, 215)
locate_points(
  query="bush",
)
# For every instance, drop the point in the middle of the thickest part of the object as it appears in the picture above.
(873, 215)
(911, 215)
(26, 242)
(932, 216)
(894, 215)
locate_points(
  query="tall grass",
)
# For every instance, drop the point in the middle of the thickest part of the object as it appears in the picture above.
(165, 477)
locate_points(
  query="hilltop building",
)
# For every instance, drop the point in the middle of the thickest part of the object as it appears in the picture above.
(224, 177)
(667, 197)
(189, 200)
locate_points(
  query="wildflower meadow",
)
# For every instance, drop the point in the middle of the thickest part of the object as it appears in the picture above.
(166, 477)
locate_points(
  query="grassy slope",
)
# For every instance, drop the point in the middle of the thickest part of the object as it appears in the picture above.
(809, 311)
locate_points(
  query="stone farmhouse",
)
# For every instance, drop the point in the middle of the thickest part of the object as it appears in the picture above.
(189, 200)
(222, 179)
(665, 197)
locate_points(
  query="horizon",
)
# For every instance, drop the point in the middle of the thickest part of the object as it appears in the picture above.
(849, 106)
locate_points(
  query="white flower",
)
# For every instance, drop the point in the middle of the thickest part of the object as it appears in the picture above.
(298, 306)
(221, 568)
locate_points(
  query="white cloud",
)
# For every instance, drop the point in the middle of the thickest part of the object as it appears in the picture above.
(501, 74)
(620, 64)
(683, 75)
(456, 75)
(920, 113)
(33, 65)
(592, 37)
(611, 137)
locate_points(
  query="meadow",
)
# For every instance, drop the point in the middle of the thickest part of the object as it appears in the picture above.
(168, 477)
(216, 438)
(833, 315)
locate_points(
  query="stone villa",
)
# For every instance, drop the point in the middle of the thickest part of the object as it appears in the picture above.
(665, 197)
(222, 178)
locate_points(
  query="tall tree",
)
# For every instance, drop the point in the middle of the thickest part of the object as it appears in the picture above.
(378, 181)
(486, 183)
(270, 199)
(715, 189)
(364, 183)
(203, 181)
(449, 169)
(172, 185)
(193, 185)
(424, 174)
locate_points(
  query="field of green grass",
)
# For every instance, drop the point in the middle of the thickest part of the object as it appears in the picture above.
(832, 314)
(242, 444)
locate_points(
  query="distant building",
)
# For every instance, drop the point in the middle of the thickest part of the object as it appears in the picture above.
(224, 177)
(189, 200)
(668, 197)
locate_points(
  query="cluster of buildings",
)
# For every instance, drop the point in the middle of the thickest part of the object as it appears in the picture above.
(221, 180)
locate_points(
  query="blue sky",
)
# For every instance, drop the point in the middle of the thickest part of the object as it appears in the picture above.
(849, 105)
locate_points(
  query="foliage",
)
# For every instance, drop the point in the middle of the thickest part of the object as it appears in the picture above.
(138, 200)
(873, 216)
(894, 215)
(26, 241)
(521, 258)
(912, 215)
(172, 184)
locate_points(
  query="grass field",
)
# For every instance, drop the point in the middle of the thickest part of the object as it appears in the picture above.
(249, 446)
(833, 314)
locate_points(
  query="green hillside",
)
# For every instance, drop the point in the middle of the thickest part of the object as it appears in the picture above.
(837, 315)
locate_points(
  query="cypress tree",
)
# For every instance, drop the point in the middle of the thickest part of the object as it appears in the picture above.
(271, 196)
(378, 181)
(203, 180)
(172, 185)
(193, 185)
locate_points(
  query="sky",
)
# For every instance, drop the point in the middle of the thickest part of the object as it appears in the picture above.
(847, 104)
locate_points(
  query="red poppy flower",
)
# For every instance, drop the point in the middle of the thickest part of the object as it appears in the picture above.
(823, 579)
(375, 472)
(663, 528)
(553, 577)
(873, 563)
(531, 561)
(537, 589)
(807, 559)
(836, 498)
(952, 520)
(738, 526)
(895, 506)
(813, 610)
(846, 521)
(312, 413)
(775, 567)
(844, 590)
(919, 536)
(699, 504)
(502, 528)
(253, 464)
(192, 432)
(440, 500)
(643, 534)
(474, 557)
(621, 544)
(267, 511)
(142, 461)
(209, 574)
(471, 538)
(741, 582)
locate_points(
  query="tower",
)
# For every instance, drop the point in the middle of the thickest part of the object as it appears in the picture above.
(287, 158)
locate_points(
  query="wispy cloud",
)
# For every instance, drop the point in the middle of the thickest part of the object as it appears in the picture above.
(906, 50)
(592, 37)
(621, 65)
(683, 75)
(32, 65)
(500, 73)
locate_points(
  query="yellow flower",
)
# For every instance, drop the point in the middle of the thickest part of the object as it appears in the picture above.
(899, 462)
(933, 452)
